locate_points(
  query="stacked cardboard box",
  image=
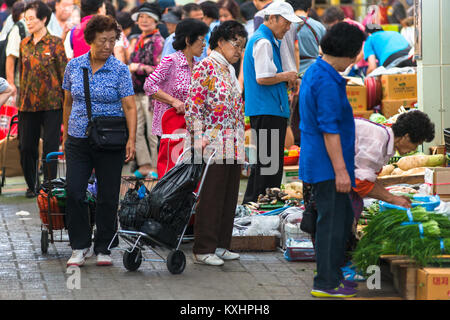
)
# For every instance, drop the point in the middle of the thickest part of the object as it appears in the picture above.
(398, 90)
(438, 182)
(357, 96)
(433, 284)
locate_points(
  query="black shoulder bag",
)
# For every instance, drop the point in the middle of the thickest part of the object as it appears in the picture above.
(104, 133)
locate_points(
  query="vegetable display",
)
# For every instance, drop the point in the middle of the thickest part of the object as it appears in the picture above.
(417, 161)
(420, 235)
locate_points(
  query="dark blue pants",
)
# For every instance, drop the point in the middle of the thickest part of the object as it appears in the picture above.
(334, 225)
(81, 159)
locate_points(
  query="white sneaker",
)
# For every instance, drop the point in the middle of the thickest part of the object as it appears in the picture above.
(209, 259)
(90, 252)
(104, 260)
(78, 257)
(225, 254)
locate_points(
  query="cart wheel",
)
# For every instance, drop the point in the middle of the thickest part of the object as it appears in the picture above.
(44, 241)
(176, 262)
(132, 260)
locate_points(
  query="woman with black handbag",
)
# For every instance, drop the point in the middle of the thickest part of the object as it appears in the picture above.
(99, 133)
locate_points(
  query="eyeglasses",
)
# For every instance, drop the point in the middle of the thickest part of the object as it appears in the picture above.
(203, 41)
(236, 46)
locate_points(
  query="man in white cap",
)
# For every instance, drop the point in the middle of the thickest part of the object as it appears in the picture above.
(289, 48)
(266, 97)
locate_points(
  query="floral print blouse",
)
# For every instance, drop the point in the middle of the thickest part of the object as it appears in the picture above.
(42, 68)
(173, 76)
(215, 103)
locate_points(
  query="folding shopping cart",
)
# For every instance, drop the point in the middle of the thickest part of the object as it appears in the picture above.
(51, 202)
(139, 242)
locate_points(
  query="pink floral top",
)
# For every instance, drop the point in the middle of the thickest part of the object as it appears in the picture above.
(173, 76)
(215, 102)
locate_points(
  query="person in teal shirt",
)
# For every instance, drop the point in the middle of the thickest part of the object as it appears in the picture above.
(390, 48)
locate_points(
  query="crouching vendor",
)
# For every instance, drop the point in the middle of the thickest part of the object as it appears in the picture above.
(375, 144)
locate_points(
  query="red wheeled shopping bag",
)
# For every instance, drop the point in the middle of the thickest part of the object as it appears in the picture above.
(171, 145)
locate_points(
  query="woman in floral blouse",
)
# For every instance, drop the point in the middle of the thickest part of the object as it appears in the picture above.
(143, 61)
(215, 112)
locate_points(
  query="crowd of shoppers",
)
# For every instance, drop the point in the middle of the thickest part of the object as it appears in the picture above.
(163, 69)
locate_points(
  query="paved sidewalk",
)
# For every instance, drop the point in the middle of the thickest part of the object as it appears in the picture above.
(25, 273)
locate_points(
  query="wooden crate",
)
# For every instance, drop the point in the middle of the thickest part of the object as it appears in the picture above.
(387, 181)
(254, 243)
(403, 272)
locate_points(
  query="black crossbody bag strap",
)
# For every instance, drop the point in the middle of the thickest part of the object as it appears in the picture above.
(87, 93)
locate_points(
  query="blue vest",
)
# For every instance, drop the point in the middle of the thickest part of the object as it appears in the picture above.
(264, 100)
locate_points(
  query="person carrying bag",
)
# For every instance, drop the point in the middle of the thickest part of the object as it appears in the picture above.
(99, 134)
(104, 133)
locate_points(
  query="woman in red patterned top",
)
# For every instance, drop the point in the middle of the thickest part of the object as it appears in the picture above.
(42, 63)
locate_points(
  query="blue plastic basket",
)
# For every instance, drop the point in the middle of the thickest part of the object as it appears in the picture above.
(299, 254)
(429, 203)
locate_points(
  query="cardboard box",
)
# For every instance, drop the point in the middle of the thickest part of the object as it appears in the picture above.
(10, 158)
(290, 174)
(399, 86)
(433, 284)
(362, 114)
(390, 108)
(438, 181)
(357, 96)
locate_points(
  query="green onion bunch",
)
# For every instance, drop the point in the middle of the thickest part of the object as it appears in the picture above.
(392, 233)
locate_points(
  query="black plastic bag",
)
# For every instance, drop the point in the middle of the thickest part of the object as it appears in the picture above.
(309, 220)
(172, 198)
(134, 210)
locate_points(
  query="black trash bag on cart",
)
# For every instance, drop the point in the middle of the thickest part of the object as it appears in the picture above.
(134, 208)
(171, 202)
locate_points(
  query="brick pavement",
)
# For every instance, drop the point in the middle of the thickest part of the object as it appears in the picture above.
(26, 273)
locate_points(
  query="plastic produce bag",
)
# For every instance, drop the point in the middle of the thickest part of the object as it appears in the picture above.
(292, 215)
(264, 226)
(444, 208)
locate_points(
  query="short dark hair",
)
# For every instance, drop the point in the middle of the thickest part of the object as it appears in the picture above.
(333, 14)
(373, 27)
(52, 4)
(229, 30)
(99, 24)
(188, 8)
(343, 40)
(10, 3)
(124, 19)
(17, 9)
(248, 10)
(188, 29)
(416, 124)
(89, 7)
(231, 6)
(304, 5)
(42, 10)
(210, 9)
(110, 9)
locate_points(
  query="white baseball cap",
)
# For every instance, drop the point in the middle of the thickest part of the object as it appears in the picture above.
(283, 9)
